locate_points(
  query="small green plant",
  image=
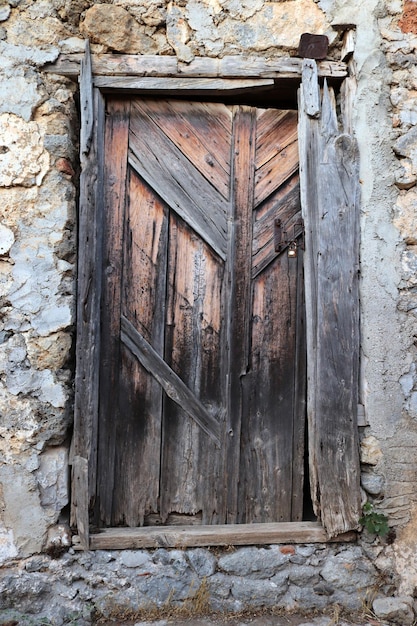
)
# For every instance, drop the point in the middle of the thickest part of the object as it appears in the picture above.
(375, 523)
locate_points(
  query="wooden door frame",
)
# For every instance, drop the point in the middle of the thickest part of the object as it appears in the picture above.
(167, 76)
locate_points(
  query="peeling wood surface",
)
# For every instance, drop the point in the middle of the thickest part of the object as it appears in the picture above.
(225, 535)
(330, 200)
(198, 305)
(201, 67)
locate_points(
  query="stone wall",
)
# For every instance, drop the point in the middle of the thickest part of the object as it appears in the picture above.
(38, 190)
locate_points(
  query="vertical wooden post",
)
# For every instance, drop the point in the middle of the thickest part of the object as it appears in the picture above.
(88, 304)
(240, 260)
(330, 204)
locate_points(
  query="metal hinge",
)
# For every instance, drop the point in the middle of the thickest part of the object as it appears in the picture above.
(292, 239)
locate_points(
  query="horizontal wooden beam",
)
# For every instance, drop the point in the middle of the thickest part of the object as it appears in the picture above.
(165, 84)
(222, 535)
(200, 67)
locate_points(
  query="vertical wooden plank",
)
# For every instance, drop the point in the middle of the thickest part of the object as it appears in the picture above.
(271, 476)
(265, 492)
(308, 138)
(80, 486)
(84, 444)
(190, 462)
(329, 184)
(115, 176)
(238, 313)
(137, 459)
(300, 387)
(309, 86)
(86, 102)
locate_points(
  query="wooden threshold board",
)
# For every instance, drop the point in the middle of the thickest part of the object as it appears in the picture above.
(222, 535)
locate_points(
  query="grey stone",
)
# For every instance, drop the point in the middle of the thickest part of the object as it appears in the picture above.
(406, 145)
(13, 56)
(305, 551)
(4, 13)
(220, 585)
(202, 561)
(396, 610)
(303, 574)
(256, 593)
(348, 570)
(303, 598)
(297, 559)
(323, 589)
(254, 562)
(36, 564)
(136, 559)
(372, 483)
(53, 477)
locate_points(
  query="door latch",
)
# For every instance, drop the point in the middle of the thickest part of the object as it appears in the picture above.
(292, 239)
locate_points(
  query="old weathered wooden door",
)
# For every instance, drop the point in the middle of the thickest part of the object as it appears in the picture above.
(202, 385)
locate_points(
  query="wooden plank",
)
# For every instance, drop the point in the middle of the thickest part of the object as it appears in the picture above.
(308, 138)
(115, 177)
(190, 481)
(167, 85)
(223, 535)
(270, 473)
(199, 136)
(81, 504)
(309, 86)
(329, 195)
(239, 269)
(286, 203)
(84, 444)
(137, 461)
(300, 404)
(268, 409)
(169, 381)
(348, 95)
(203, 67)
(162, 165)
(348, 47)
(86, 101)
(275, 172)
(338, 326)
(276, 131)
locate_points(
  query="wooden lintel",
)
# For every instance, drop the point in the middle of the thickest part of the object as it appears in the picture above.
(222, 535)
(169, 84)
(202, 67)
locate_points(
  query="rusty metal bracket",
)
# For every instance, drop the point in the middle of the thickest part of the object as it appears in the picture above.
(292, 241)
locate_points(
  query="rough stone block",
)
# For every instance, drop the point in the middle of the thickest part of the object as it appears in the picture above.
(53, 478)
(395, 610)
(6, 239)
(256, 592)
(202, 561)
(114, 27)
(254, 562)
(23, 159)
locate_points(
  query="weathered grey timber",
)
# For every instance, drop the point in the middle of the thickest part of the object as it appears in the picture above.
(329, 198)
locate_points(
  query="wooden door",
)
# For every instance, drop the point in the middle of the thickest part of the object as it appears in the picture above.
(202, 384)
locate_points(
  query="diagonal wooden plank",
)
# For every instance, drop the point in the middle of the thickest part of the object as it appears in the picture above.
(199, 136)
(275, 131)
(194, 199)
(285, 205)
(275, 172)
(168, 379)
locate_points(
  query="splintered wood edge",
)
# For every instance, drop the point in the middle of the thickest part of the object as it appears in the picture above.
(222, 535)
